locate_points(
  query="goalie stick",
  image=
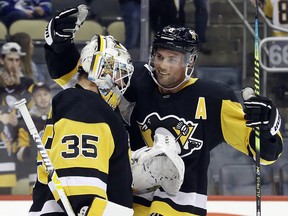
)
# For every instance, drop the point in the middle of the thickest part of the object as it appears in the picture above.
(21, 106)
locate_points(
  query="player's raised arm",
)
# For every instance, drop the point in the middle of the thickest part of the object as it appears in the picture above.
(60, 52)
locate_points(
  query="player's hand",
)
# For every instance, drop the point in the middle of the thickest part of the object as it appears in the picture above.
(260, 112)
(61, 29)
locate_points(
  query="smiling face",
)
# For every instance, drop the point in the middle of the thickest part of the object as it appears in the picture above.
(169, 67)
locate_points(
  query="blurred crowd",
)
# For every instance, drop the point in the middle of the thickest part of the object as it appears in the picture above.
(17, 150)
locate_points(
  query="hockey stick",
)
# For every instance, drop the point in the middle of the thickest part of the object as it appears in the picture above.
(257, 130)
(21, 106)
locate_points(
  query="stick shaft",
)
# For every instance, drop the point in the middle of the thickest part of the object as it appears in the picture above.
(21, 106)
(257, 130)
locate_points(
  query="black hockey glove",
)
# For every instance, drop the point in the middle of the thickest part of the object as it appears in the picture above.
(260, 112)
(61, 29)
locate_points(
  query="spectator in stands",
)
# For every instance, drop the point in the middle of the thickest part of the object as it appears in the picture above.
(201, 21)
(12, 88)
(11, 75)
(26, 149)
(131, 14)
(41, 96)
(13, 10)
(28, 66)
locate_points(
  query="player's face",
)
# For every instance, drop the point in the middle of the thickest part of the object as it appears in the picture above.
(169, 67)
(42, 98)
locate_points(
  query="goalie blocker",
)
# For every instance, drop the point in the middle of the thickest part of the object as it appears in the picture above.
(158, 166)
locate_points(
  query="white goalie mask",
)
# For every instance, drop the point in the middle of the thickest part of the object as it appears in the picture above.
(109, 66)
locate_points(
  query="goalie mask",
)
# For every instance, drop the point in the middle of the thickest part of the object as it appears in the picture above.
(179, 39)
(109, 66)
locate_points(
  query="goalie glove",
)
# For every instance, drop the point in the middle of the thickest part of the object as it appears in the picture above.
(261, 112)
(159, 166)
(60, 31)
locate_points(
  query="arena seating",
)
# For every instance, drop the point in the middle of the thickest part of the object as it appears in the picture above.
(3, 32)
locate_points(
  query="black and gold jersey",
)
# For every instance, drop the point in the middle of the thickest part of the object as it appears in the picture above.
(88, 147)
(200, 116)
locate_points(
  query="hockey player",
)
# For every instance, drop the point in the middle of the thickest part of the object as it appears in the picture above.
(86, 140)
(198, 114)
(153, 167)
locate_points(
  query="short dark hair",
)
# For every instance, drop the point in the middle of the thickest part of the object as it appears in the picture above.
(82, 73)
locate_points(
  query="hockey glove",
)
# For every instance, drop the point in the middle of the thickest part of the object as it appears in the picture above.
(60, 31)
(159, 166)
(260, 112)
